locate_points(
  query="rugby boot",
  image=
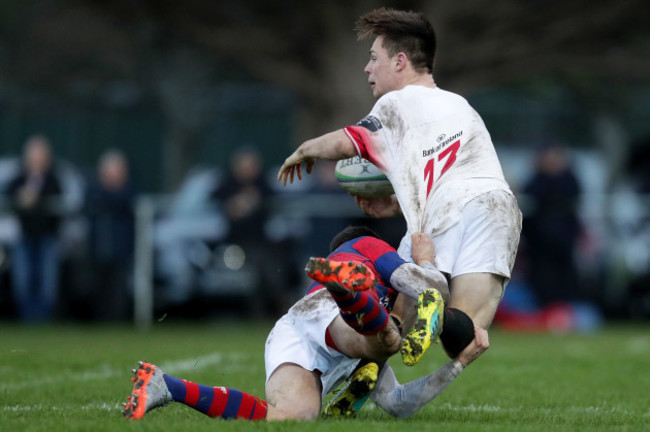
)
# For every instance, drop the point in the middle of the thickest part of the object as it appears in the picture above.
(149, 391)
(354, 393)
(427, 328)
(340, 276)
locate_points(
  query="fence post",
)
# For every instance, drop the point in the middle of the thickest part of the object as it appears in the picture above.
(143, 271)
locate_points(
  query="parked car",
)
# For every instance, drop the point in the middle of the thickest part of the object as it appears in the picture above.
(187, 226)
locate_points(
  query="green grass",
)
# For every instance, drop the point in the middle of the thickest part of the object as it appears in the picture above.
(74, 378)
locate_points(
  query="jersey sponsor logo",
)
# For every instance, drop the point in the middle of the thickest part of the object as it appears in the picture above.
(371, 123)
(443, 141)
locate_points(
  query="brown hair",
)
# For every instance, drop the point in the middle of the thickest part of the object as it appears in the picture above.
(404, 31)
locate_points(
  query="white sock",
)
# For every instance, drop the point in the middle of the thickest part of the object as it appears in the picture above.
(403, 400)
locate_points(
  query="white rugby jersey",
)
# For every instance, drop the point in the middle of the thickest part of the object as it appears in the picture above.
(436, 151)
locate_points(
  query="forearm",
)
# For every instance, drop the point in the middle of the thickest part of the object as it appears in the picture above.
(412, 279)
(403, 400)
(331, 146)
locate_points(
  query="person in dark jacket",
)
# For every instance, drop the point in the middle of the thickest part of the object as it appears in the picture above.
(111, 231)
(35, 197)
(552, 227)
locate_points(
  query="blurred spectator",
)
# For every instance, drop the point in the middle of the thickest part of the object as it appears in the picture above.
(551, 227)
(109, 209)
(35, 196)
(638, 290)
(245, 197)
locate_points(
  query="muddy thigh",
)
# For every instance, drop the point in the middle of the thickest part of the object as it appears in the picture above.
(293, 393)
(478, 295)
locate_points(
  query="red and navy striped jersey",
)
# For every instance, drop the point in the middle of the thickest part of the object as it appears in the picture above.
(377, 255)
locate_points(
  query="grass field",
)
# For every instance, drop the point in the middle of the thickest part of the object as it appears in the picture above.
(74, 378)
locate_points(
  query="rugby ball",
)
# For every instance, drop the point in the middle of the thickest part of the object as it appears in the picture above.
(360, 177)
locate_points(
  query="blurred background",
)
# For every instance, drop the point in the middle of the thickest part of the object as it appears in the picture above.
(155, 130)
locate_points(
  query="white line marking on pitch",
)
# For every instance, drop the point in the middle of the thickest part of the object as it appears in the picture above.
(104, 406)
(40, 407)
(233, 360)
(568, 409)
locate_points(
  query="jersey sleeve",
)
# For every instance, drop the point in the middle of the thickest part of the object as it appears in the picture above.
(362, 139)
(384, 256)
(376, 134)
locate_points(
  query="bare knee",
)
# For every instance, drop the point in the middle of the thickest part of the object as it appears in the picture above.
(377, 346)
(384, 344)
(293, 393)
(390, 342)
(478, 295)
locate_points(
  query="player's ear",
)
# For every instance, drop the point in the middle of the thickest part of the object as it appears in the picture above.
(400, 61)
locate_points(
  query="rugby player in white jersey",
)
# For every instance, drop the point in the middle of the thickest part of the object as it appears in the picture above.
(439, 157)
(343, 317)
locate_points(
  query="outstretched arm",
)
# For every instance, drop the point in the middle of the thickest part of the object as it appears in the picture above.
(403, 400)
(331, 146)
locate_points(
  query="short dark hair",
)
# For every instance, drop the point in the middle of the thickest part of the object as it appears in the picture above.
(350, 233)
(404, 31)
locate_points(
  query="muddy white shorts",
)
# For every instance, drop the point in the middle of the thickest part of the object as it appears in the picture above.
(485, 240)
(299, 337)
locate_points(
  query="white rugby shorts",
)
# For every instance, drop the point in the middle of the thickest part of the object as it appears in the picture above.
(299, 337)
(485, 239)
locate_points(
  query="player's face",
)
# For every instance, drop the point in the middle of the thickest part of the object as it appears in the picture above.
(381, 70)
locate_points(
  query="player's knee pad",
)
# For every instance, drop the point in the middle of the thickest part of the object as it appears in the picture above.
(457, 331)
